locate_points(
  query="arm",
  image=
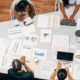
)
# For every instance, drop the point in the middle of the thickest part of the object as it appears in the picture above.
(63, 11)
(55, 72)
(68, 74)
(22, 60)
(74, 12)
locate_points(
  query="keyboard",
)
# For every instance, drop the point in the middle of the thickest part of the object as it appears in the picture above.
(68, 22)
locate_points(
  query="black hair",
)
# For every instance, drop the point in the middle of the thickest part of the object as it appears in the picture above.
(16, 65)
(66, 2)
(21, 6)
(62, 74)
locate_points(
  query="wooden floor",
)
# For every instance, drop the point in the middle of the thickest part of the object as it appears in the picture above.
(4, 9)
(41, 6)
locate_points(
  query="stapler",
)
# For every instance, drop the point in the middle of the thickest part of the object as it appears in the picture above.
(68, 22)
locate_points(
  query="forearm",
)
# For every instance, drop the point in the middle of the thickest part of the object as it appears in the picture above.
(27, 68)
(69, 76)
(62, 9)
(75, 10)
(53, 75)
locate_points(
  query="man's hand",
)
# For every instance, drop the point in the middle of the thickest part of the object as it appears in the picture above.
(65, 17)
(59, 66)
(22, 60)
(67, 70)
(71, 18)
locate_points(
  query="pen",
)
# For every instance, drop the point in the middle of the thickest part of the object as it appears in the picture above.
(28, 23)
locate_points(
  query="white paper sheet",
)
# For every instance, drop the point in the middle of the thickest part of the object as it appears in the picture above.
(45, 68)
(40, 53)
(19, 32)
(29, 29)
(14, 47)
(1, 61)
(45, 36)
(76, 71)
(16, 32)
(7, 62)
(78, 23)
(28, 21)
(43, 21)
(3, 46)
(77, 56)
(60, 43)
(54, 21)
(27, 51)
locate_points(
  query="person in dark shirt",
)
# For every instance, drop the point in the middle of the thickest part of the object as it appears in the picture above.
(16, 72)
(61, 73)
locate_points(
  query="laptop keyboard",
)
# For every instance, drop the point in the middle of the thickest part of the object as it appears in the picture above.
(68, 22)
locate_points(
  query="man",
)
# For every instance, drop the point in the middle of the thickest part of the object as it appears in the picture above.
(71, 2)
(62, 74)
(21, 9)
(16, 72)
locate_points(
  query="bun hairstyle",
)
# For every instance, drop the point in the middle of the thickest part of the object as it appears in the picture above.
(16, 65)
(62, 74)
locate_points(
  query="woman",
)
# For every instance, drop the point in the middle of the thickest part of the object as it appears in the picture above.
(21, 9)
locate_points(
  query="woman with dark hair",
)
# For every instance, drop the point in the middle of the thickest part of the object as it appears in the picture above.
(64, 3)
(16, 72)
(62, 74)
(22, 9)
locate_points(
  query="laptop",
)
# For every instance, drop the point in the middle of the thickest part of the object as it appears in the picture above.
(68, 23)
(66, 56)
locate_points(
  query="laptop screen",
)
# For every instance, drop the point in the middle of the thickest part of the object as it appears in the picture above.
(65, 56)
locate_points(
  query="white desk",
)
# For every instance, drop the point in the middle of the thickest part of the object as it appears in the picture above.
(63, 30)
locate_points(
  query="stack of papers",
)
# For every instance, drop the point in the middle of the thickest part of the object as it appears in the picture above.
(54, 21)
(43, 21)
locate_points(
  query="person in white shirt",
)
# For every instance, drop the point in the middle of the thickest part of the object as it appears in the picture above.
(70, 2)
(20, 9)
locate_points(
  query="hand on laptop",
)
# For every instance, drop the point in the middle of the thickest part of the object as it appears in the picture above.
(67, 69)
(65, 17)
(71, 18)
(78, 56)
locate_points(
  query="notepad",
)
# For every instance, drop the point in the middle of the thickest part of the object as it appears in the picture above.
(43, 21)
(60, 43)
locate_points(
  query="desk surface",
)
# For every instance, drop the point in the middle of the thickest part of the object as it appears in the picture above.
(63, 30)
